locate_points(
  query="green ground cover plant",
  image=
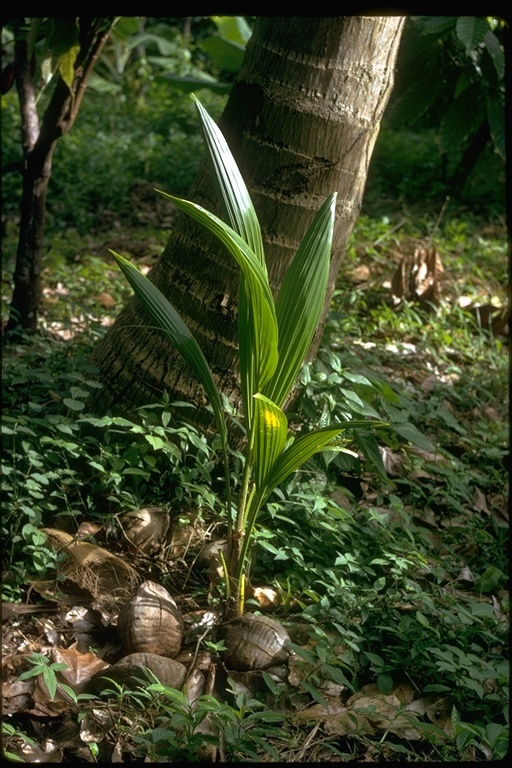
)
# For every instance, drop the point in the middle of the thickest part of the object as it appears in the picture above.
(392, 555)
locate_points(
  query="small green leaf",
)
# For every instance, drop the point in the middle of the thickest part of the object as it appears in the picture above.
(66, 65)
(50, 681)
(436, 688)
(315, 693)
(490, 579)
(73, 405)
(422, 619)
(385, 683)
(471, 30)
(270, 682)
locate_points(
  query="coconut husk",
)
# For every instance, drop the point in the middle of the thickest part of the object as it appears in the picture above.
(108, 578)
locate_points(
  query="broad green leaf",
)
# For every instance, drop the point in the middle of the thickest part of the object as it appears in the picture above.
(412, 433)
(239, 211)
(294, 455)
(226, 54)
(494, 49)
(496, 118)
(64, 46)
(73, 405)
(66, 65)
(234, 28)
(300, 301)
(436, 25)
(270, 431)
(173, 327)
(368, 445)
(259, 310)
(50, 681)
(234, 196)
(461, 120)
(470, 31)
(417, 98)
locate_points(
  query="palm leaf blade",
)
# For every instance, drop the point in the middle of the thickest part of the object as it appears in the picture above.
(300, 301)
(296, 454)
(260, 310)
(171, 324)
(271, 427)
(237, 204)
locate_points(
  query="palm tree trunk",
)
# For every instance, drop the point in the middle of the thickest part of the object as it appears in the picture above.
(301, 120)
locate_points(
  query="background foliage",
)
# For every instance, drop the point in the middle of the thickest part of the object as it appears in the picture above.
(399, 551)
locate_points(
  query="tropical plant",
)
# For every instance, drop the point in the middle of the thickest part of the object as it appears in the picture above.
(467, 103)
(274, 338)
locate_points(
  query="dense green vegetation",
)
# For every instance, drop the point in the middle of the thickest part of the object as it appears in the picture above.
(392, 560)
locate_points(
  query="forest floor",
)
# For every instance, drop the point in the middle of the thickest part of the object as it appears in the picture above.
(387, 565)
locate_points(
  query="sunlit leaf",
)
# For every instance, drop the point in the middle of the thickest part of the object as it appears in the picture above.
(258, 335)
(300, 301)
(270, 427)
(236, 202)
(295, 455)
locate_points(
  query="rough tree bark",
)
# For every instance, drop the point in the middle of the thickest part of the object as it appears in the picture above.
(301, 120)
(39, 142)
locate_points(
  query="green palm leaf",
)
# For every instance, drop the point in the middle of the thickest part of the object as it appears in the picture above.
(258, 325)
(270, 431)
(236, 202)
(173, 327)
(294, 455)
(300, 301)
(239, 211)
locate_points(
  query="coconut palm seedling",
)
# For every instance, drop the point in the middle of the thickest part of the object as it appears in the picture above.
(273, 339)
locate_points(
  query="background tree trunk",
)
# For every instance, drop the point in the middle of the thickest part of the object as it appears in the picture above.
(38, 147)
(301, 120)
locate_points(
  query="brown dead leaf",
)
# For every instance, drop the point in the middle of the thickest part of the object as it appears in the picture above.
(393, 461)
(266, 597)
(195, 685)
(418, 278)
(359, 274)
(405, 693)
(16, 696)
(106, 300)
(387, 712)
(480, 502)
(48, 752)
(95, 724)
(428, 517)
(107, 577)
(349, 722)
(466, 576)
(81, 666)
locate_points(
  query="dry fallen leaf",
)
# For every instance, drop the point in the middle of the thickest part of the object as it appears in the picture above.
(81, 666)
(48, 752)
(106, 300)
(480, 502)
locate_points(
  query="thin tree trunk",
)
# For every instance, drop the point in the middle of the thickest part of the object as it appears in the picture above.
(301, 120)
(38, 147)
